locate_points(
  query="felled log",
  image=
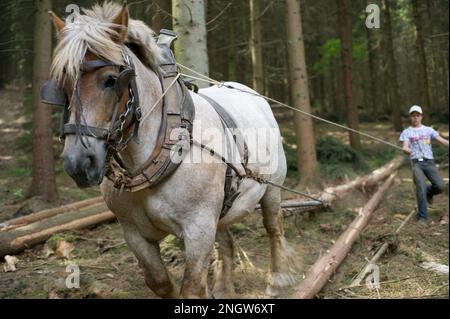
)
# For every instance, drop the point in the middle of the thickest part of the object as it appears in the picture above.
(325, 266)
(380, 252)
(24, 220)
(19, 238)
(383, 172)
(330, 195)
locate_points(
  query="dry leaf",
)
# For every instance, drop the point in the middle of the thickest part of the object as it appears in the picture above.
(326, 227)
(444, 220)
(47, 251)
(10, 263)
(64, 249)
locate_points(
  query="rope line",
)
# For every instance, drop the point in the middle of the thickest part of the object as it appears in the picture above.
(220, 84)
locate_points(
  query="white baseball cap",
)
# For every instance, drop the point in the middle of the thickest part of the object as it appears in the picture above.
(415, 108)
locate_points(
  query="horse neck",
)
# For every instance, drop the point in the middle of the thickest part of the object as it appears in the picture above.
(150, 91)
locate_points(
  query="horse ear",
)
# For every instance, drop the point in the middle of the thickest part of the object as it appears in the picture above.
(121, 20)
(57, 21)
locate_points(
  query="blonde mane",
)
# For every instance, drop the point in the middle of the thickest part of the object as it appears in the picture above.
(93, 32)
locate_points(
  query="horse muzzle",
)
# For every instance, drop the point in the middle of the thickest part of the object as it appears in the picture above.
(85, 166)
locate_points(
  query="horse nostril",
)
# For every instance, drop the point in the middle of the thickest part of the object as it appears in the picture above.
(88, 162)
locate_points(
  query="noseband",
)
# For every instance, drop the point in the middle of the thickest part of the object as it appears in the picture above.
(51, 93)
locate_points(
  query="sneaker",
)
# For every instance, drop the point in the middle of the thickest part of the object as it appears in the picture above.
(429, 199)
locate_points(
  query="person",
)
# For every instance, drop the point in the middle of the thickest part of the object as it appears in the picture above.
(416, 141)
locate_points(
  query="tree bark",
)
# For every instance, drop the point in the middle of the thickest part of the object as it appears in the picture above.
(325, 266)
(255, 46)
(391, 66)
(157, 21)
(345, 33)
(43, 180)
(306, 150)
(232, 49)
(191, 46)
(422, 70)
(373, 88)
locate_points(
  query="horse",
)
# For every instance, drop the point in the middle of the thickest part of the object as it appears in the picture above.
(188, 203)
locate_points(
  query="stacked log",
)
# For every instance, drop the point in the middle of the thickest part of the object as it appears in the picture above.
(25, 232)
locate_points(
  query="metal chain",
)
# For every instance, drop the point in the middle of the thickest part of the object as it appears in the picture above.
(124, 115)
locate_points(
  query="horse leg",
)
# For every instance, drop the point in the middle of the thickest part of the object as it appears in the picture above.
(148, 253)
(283, 265)
(198, 242)
(223, 285)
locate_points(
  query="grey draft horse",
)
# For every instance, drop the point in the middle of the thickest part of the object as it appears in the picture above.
(188, 203)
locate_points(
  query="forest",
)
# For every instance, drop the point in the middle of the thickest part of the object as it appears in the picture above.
(340, 77)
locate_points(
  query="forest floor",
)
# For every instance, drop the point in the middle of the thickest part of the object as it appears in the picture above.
(110, 270)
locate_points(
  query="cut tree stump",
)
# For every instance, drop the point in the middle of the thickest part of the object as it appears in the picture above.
(325, 266)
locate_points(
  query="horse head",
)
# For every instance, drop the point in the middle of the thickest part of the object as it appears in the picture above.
(100, 107)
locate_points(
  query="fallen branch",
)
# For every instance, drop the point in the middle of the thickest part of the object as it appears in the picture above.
(325, 266)
(367, 268)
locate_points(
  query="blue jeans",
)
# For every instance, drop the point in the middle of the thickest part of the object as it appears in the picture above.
(422, 171)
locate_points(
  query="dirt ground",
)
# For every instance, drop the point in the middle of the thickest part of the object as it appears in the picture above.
(110, 270)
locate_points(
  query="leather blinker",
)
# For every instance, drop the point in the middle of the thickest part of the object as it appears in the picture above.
(51, 93)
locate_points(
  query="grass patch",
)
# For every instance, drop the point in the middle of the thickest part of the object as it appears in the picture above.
(18, 172)
(24, 142)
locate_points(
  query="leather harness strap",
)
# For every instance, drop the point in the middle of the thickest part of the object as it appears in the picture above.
(159, 164)
(228, 122)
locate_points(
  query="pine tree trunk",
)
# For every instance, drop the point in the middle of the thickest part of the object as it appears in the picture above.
(422, 71)
(157, 22)
(191, 47)
(43, 182)
(372, 72)
(391, 68)
(255, 46)
(306, 151)
(345, 32)
(232, 49)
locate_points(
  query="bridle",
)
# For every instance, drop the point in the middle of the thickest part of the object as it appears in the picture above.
(177, 115)
(114, 135)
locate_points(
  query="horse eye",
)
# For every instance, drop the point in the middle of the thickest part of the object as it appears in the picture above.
(110, 82)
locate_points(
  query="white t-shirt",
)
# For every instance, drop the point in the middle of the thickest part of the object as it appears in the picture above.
(419, 139)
